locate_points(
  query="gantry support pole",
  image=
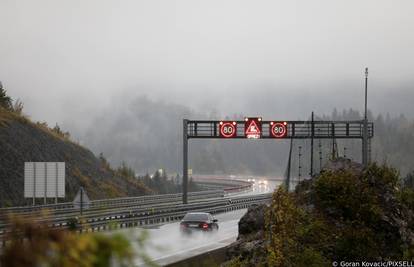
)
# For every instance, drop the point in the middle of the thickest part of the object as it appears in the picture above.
(312, 136)
(185, 161)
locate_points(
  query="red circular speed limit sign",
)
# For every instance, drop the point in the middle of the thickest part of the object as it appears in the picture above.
(228, 129)
(278, 129)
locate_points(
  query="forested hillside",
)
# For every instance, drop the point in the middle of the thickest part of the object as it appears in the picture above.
(147, 135)
(22, 141)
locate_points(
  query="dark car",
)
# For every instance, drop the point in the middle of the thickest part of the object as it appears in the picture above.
(198, 220)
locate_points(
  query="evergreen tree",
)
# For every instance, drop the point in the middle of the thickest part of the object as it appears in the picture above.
(5, 100)
(408, 181)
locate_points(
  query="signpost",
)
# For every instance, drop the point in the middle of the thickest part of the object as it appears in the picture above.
(81, 200)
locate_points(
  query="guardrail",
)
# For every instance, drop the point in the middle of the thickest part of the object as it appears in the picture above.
(223, 183)
(136, 210)
(101, 202)
(142, 203)
(229, 184)
(173, 215)
(140, 217)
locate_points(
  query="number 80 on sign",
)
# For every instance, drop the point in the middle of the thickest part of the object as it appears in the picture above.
(278, 129)
(228, 129)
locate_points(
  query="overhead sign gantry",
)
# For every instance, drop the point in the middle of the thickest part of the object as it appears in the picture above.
(256, 128)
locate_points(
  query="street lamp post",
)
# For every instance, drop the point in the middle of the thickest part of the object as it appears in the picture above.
(365, 133)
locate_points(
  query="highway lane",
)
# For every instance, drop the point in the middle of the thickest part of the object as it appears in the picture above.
(167, 245)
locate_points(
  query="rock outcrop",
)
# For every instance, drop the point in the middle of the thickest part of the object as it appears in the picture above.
(345, 213)
(253, 221)
(250, 242)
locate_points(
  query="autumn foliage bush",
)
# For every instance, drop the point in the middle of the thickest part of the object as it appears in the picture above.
(341, 215)
(34, 244)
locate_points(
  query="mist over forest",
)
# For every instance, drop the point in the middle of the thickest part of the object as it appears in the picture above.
(146, 134)
(88, 67)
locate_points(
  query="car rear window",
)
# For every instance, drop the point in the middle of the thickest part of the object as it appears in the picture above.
(195, 217)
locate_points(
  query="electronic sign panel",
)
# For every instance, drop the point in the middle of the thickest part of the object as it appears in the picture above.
(253, 128)
(227, 129)
(278, 129)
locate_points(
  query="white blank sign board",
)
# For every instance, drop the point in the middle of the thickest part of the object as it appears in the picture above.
(44, 179)
(39, 179)
(28, 179)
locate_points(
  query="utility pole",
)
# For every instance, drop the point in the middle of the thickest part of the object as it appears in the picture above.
(365, 133)
(369, 150)
(300, 167)
(333, 142)
(289, 166)
(312, 135)
(320, 153)
(345, 152)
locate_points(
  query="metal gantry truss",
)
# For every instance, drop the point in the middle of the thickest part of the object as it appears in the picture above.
(193, 129)
(295, 129)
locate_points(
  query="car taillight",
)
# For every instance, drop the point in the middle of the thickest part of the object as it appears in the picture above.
(205, 226)
(183, 225)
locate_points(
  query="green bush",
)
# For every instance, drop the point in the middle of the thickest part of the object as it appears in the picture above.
(347, 197)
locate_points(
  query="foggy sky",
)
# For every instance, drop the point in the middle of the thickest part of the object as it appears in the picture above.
(68, 59)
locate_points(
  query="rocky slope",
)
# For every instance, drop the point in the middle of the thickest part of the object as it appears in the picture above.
(22, 141)
(344, 214)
